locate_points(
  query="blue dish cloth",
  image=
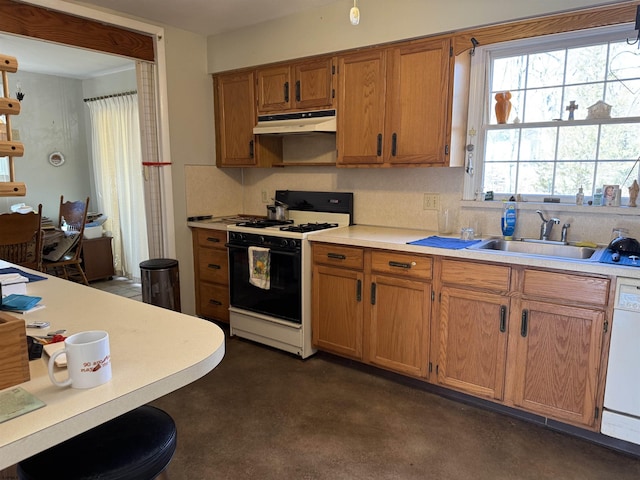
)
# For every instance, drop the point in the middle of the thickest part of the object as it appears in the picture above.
(605, 257)
(32, 277)
(444, 242)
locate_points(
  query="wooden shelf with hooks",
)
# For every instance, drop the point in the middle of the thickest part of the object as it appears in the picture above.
(9, 148)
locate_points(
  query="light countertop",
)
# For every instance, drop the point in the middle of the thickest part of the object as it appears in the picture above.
(390, 238)
(154, 351)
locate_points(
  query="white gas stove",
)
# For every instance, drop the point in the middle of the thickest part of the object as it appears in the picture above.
(278, 312)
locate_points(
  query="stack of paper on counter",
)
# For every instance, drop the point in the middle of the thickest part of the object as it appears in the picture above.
(13, 283)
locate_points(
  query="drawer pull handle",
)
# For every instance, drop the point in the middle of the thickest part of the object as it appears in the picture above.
(503, 318)
(524, 326)
(373, 293)
(336, 256)
(214, 266)
(215, 302)
(359, 291)
(402, 265)
(213, 239)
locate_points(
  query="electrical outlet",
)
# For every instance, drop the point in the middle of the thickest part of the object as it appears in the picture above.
(431, 201)
(265, 197)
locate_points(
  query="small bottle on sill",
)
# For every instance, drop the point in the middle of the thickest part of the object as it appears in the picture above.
(580, 197)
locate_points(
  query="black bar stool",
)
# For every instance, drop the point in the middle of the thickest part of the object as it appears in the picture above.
(135, 446)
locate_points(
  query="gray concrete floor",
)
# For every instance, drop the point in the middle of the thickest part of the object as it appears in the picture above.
(264, 414)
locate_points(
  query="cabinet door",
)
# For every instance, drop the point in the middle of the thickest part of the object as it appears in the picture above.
(399, 324)
(418, 99)
(235, 119)
(337, 310)
(274, 89)
(558, 356)
(361, 96)
(313, 87)
(473, 341)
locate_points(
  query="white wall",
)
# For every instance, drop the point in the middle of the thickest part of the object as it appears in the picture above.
(51, 120)
(328, 29)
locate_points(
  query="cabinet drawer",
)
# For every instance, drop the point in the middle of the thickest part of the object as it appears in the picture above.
(478, 275)
(211, 238)
(405, 264)
(214, 301)
(213, 265)
(566, 287)
(338, 255)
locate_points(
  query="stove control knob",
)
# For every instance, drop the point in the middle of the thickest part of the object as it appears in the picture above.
(232, 236)
(261, 240)
(284, 242)
(294, 243)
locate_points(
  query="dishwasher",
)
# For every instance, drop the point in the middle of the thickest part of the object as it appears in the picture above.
(621, 413)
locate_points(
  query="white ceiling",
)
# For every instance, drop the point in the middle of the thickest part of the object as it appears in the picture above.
(37, 56)
(209, 17)
(206, 17)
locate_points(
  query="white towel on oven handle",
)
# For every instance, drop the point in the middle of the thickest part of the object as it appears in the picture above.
(260, 267)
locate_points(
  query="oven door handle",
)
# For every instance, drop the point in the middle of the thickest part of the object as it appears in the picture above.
(277, 252)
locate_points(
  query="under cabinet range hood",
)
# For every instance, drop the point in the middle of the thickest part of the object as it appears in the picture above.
(297, 122)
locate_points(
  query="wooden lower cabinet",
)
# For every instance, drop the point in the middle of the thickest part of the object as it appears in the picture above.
(399, 324)
(337, 310)
(473, 341)
(557, 360)
(531, 339)
(211, 270)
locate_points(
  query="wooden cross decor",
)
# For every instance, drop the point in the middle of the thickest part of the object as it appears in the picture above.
(572, 107)
(9, 148)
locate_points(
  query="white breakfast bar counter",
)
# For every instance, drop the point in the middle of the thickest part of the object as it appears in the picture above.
(154, 351)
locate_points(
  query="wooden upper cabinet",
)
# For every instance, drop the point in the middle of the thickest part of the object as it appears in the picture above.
(361, 97)
(235, 118)
(395, 105)
(418, 102)
(298, 86)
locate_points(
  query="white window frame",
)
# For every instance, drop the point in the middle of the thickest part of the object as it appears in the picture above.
(479, 86)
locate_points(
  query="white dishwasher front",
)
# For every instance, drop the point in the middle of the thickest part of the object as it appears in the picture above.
(621, 413)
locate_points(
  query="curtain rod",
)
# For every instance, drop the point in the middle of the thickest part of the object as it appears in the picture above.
(132, 92)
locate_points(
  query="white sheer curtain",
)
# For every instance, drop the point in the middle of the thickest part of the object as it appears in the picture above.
(117, 165)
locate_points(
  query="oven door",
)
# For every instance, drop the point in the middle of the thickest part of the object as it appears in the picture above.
(283, 298)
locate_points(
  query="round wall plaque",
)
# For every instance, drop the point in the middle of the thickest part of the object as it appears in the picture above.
(56, 159)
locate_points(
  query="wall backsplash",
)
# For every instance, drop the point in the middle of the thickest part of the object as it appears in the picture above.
(393, 198)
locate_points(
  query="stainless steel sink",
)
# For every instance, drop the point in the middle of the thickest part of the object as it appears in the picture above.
(527, 247)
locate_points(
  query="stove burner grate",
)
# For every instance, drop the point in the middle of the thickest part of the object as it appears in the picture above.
(308, 227)
(264, 223)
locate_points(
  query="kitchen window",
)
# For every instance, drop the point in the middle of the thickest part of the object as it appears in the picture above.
(574, 117)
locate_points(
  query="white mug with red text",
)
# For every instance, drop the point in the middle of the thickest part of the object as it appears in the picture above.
(88, 360)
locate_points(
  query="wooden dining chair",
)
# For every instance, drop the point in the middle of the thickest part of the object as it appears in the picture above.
(21, 238)
(73, 217)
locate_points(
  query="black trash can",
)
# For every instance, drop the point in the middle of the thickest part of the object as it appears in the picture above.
(161, 283)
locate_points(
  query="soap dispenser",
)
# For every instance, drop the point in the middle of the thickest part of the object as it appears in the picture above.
(580, 197)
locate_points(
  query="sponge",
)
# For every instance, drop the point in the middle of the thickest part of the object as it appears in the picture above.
(586, 244)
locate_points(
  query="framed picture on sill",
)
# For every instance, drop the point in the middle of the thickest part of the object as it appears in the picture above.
(611, 195)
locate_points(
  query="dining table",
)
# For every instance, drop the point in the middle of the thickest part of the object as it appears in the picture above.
(154, 351)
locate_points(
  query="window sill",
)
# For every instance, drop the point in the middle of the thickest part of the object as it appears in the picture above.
(555, 207)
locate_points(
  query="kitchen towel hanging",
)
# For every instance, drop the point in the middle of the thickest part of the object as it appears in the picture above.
(260, 267)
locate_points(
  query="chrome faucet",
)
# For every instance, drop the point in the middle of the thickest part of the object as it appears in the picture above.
(547, 225)
(563, 236)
